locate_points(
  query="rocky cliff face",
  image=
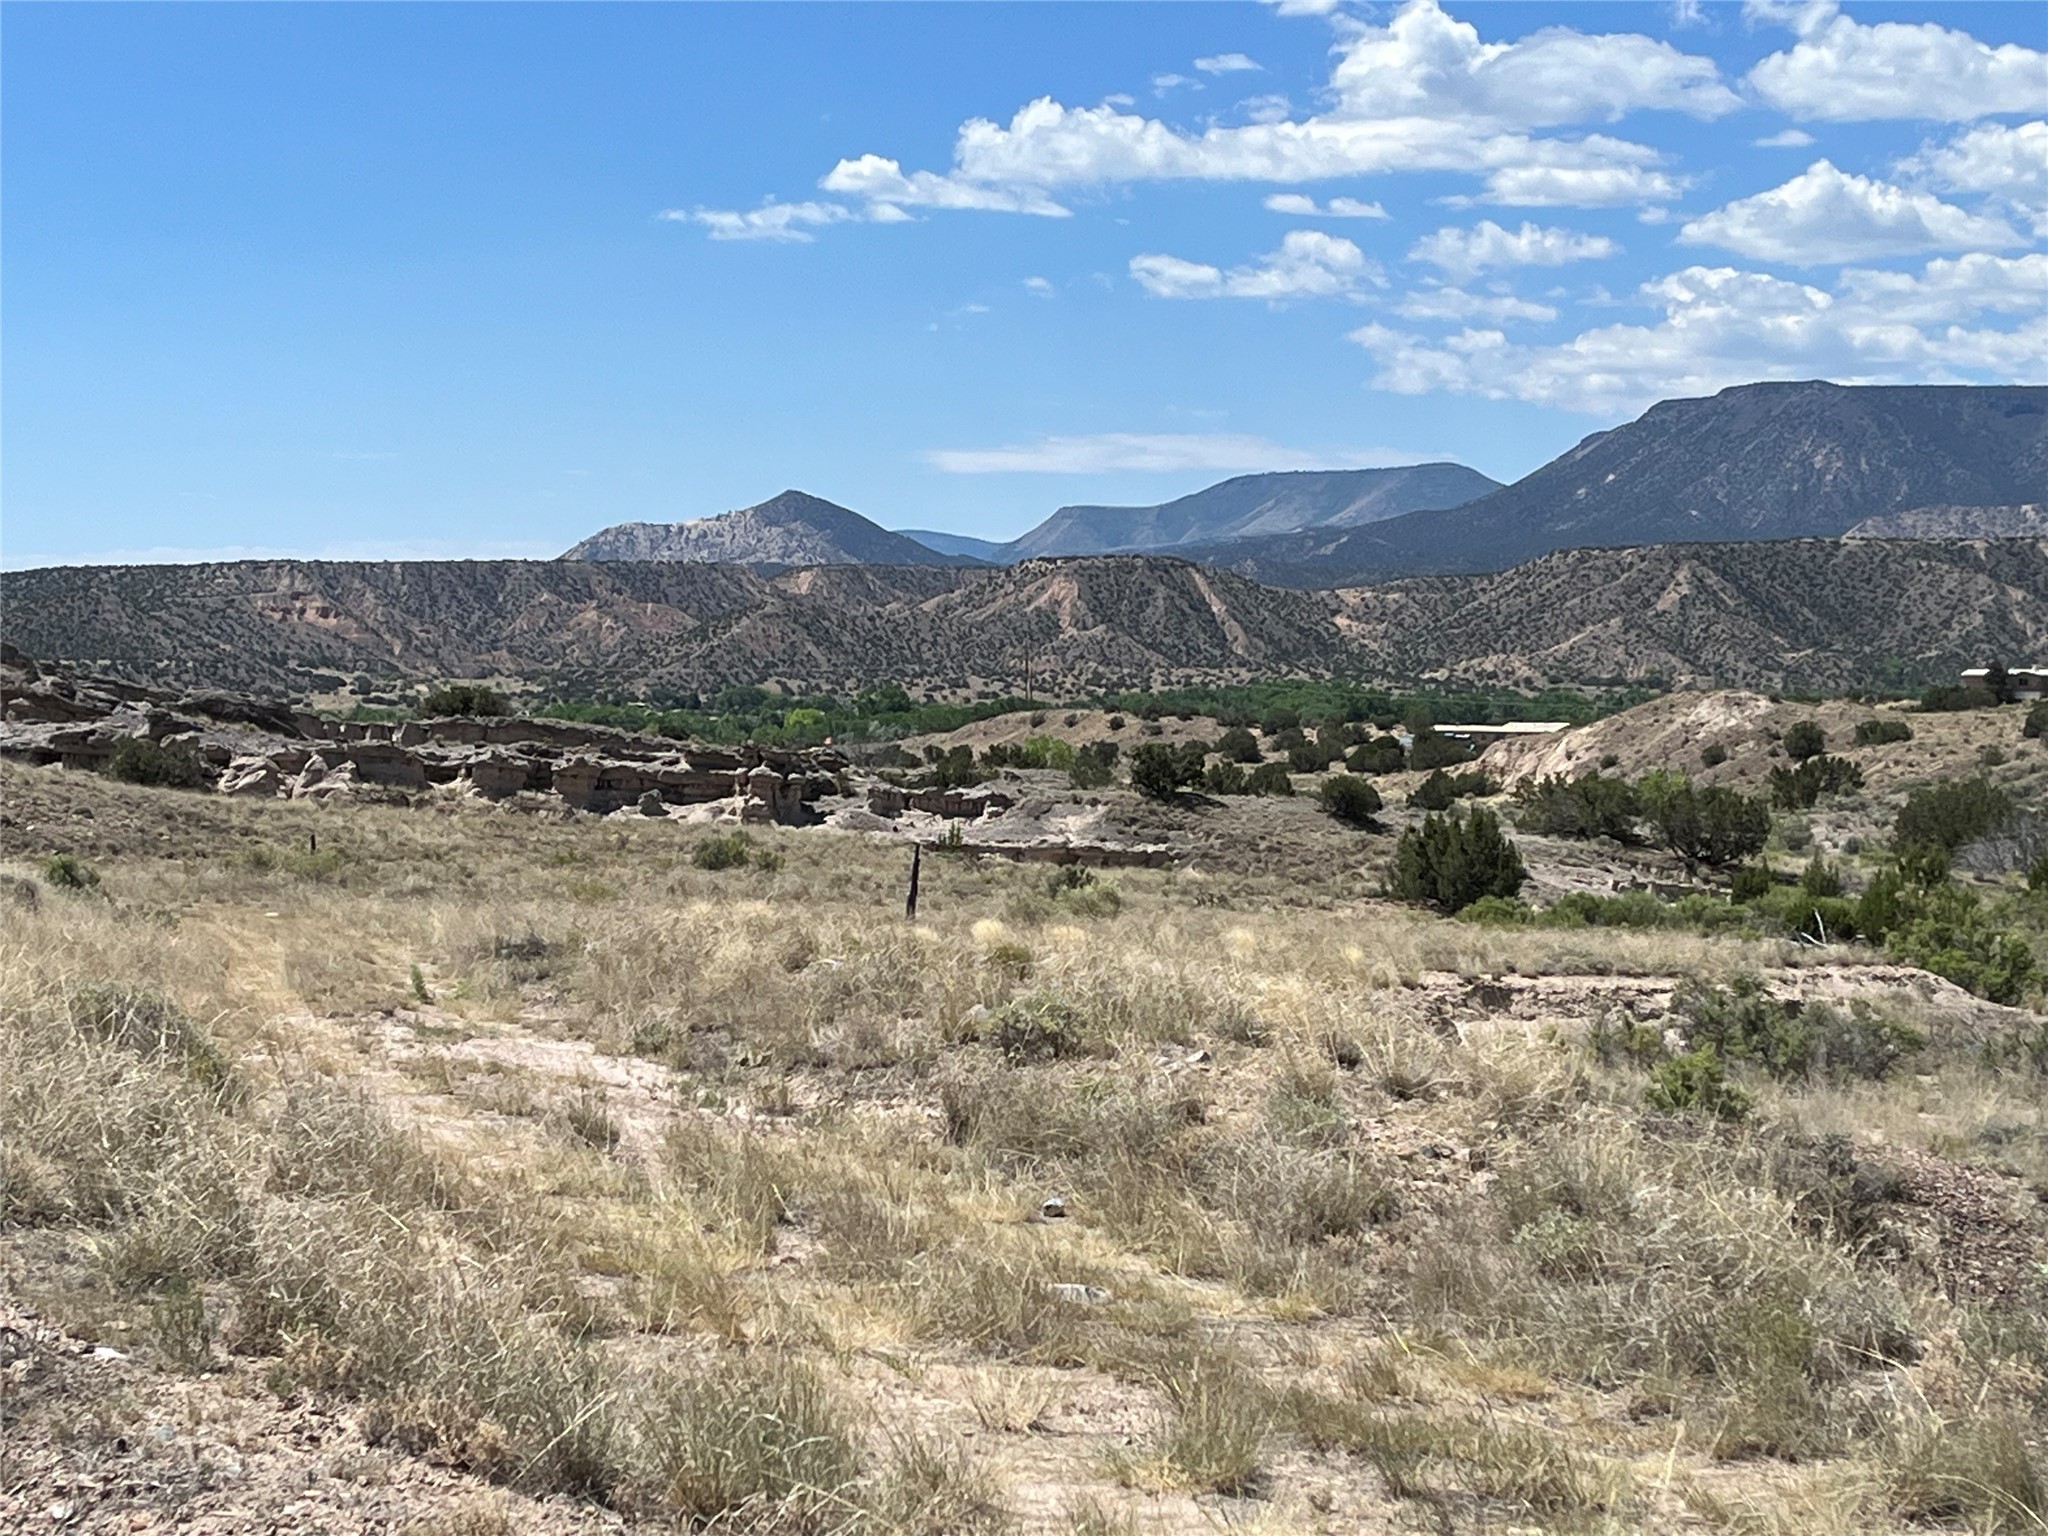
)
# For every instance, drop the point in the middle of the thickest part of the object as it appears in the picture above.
(253, 749)
(52, 718)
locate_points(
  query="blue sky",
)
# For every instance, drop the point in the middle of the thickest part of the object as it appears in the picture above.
(476, 280)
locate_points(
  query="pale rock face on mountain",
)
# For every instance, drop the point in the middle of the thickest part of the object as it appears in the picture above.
(2027, 521)
(790, 529)
(1253, 505)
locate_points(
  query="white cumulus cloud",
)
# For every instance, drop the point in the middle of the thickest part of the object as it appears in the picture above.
(1577, 186)
(1785, 138)
(1461, 307)
(1421, 93)
(1105, 452)
(1841, 70)
(881, 180)
(1486, 245)
(1948, 290)
(1040, 286)
(2010, 164)
(1227, 64)
(1425, 63)
(771, 221)
(1308, 265)
(1303, 206)
(1825, 215)
(1721, 326)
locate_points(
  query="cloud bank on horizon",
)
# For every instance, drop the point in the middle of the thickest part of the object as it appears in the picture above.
(1852, 258)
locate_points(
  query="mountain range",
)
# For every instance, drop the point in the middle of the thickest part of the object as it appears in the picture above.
(1756, 462)
(1811, 614)
(799, 529)
(1761, 461)
(1703, 542)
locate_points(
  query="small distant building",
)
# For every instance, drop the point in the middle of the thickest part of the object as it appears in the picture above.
(2028, 683)
(1512, 728)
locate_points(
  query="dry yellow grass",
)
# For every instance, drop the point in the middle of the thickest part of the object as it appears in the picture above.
(730, 1196)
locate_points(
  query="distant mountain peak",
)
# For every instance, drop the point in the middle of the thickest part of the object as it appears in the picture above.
(791, 528)
(1245, 506)
(1776, 460)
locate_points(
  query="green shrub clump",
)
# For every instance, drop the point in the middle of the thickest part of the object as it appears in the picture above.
(1804, 740)
(1713, 755)
(1590, 807)
(1269, 779)
(1094, 765)
(1947, 698)
(1312, 756)
(168, 764)
(723, 850)
(68, 872)
(1434, 751)
(1440, 789)
(2036, 724)
(1948, 931)
(1352, 800)
(1453, 860)
(1382, 754)
(1238, 745)
(1795, 789)
(1750, 882)
(1789, 1038)
(1713, 826)
(1034, 752)
(954, 768)
(1947, 816)
(1159, 772)
(463, 699)
(1696, 1083)
(1880, 733)
(1225, 778)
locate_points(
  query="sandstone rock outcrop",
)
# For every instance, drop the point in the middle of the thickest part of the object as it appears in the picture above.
(259, 749)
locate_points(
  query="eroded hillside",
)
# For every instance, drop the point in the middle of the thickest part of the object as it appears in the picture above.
(1810, 615)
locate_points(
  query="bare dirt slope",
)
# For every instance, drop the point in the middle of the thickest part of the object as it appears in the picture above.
(1675, 730)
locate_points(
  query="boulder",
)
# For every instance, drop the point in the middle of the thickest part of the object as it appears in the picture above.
(953, 804)
(495, 776)
(383, 762)
(251, 778)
